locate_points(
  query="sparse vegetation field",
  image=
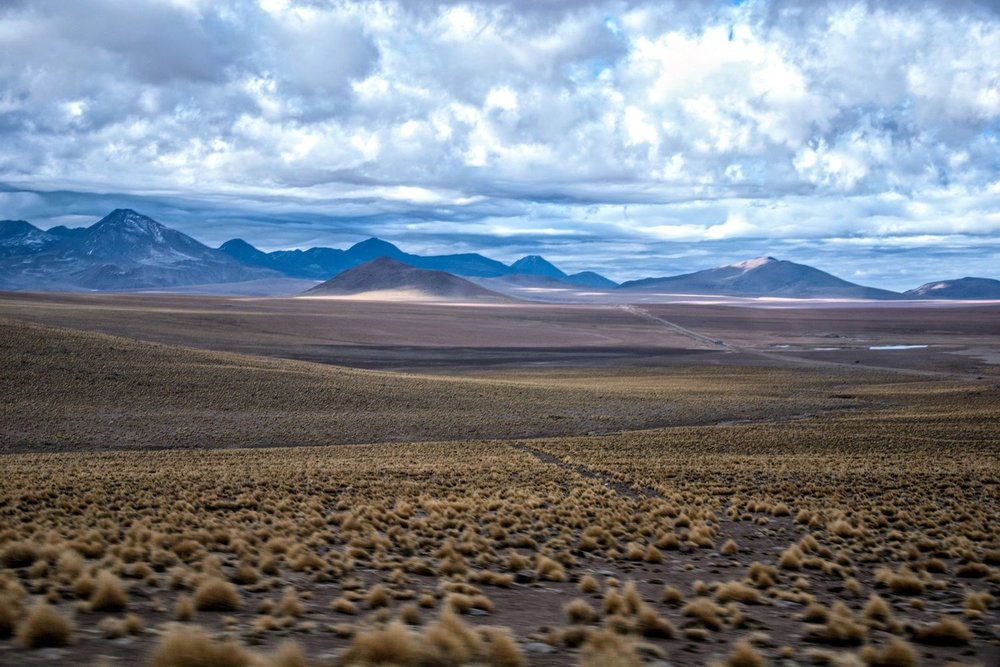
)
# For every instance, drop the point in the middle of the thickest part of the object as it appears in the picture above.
(763, 514)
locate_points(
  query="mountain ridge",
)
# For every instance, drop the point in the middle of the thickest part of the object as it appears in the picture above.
(128, 250)
(761, 277)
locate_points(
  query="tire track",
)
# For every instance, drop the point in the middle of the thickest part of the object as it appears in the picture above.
(606, 480)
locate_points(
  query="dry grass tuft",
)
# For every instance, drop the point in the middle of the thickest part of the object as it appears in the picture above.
(896, 653)
(589, 584)
(193, 647)
(108, 594)
(501, 648)
(705, 612)
(744, 655)
(18, 554)
(946, 632)
(546, 568)
(579, 611)
(216, 595)
(608, 649)
(44, 626)
(734, 590)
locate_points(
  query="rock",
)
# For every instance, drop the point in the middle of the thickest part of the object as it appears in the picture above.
(524, 576)
(538, 647)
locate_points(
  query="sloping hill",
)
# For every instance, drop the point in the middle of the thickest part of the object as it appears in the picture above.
(962, 288)
(123, 250)
(590, 279)
(763, 276)
(384, 277)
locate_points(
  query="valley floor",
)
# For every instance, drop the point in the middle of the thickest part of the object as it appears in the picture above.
(609, 490)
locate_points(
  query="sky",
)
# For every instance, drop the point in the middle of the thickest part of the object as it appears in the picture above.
(632, 138)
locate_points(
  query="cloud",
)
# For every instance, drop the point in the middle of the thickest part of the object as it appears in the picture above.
(622, 124)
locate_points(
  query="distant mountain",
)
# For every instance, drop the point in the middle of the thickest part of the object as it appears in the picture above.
(124, 250)
(314, 263)
(129, 251)
(245, 253)
(764, 276)
(536, 265)
(64, 232)
(962, 288)
(590, 279)
(385, 275)
(320, 263)
(20, 237)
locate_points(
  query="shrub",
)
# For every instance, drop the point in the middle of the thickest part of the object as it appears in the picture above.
(705, 612)
(184, 608)
(501, 649)
(946, 632)
(589, 584)
(896, 653)
(546, 568)
(290, 604)
(734, 590)
(18, 554)
(651, 624)
(45, 626)
(9, 613)
(344, 606)
(193, 647)
(216, 595)
(608, 649)
(578, 611)
(108, 594)
(744, 655)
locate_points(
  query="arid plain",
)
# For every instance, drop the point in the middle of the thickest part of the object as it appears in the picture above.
(241, 481)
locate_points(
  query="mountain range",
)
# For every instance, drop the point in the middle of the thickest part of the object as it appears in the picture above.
(126, 250)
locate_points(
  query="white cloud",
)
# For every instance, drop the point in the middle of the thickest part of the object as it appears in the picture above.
(710, 121)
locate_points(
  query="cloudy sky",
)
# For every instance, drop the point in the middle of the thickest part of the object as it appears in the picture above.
(634, 138)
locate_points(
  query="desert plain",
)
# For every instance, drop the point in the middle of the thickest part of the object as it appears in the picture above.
(195, 480)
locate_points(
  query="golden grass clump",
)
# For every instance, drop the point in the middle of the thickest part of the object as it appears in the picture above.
(976, 604)
(740, 592)
(216, 595)
(290, 604)
(43, 627)
(184, 646)
(112, 627)
(744, 655)
(501, 648)
(840, 628)
(579, 611)
(896, 653)
(589, 584)
(378, 596)
(672, 595)
(651, 624)
(184, 608)
(946, 632)
(546, 568)
(608, 649)
(18, 554)
(705, 612)
(108, 593)
(342, 605)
